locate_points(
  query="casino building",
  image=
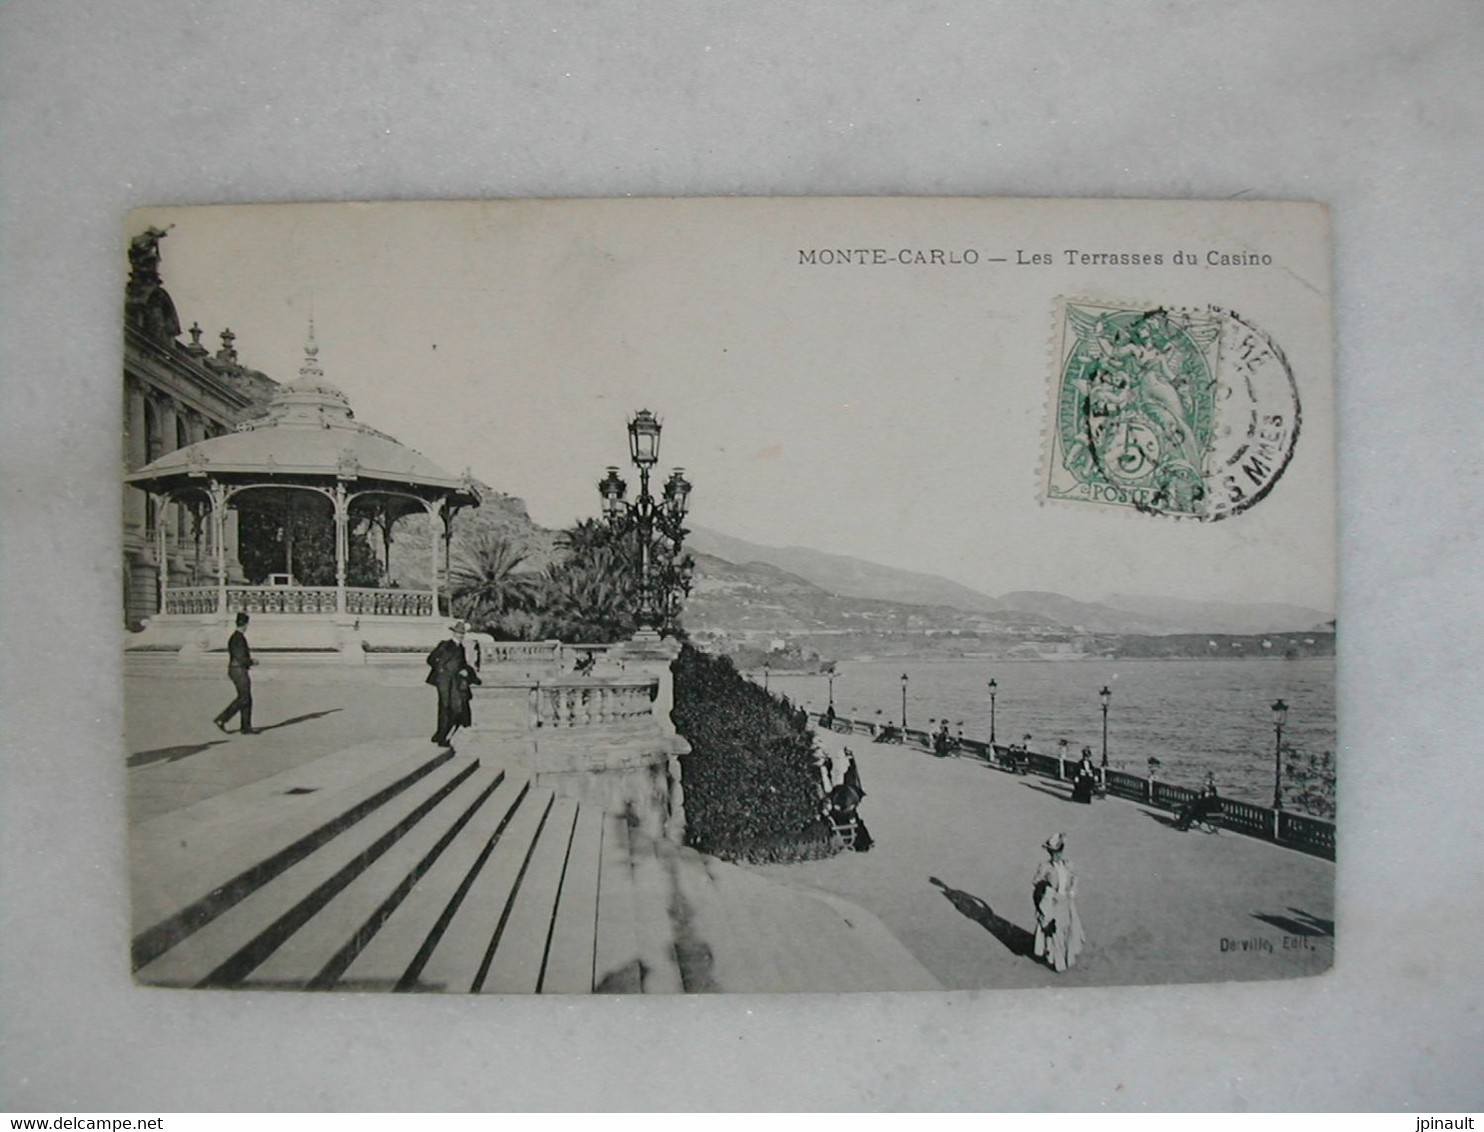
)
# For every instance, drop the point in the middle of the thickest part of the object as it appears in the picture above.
(175, 395)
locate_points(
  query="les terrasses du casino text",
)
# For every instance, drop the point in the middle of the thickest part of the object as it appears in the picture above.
(1069, 257)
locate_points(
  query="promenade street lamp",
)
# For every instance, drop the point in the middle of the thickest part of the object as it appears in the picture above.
(1106, 696)
(904, 705)
(831, 674)
(993, 688)
(1280, 716)
(660, 584)
(612, 488)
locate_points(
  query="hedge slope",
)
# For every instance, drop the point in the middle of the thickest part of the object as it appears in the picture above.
(752, 788)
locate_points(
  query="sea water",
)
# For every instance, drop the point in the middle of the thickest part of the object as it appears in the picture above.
(1192, 715)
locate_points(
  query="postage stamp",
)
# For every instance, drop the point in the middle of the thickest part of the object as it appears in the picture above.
(1181, 412)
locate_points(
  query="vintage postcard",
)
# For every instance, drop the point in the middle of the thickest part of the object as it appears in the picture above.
(733, 595)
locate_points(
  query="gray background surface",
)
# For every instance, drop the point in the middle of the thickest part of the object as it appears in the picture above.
(1373, 107)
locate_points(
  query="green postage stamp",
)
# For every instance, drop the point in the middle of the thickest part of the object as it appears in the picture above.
(1183, 412)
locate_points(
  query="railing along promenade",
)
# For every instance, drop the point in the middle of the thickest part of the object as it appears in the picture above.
(1294, 831)
(361, 600)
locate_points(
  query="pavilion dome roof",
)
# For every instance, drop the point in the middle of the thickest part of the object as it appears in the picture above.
(309, 430)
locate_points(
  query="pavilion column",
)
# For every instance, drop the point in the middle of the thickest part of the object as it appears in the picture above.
(435, 514)
(447, 555)
(162, 528)
(195, 430)
(342, 544)
(198, 533)
(218, 535)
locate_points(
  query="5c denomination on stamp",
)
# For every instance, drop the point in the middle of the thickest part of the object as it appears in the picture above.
(1171, 411)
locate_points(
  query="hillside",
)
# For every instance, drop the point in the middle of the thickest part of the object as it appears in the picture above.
(498, 514)
(846, 576)
(756, 598)
(1179, 616)
(833, 606)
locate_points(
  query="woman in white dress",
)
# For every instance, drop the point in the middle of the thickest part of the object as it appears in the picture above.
(1059, 935)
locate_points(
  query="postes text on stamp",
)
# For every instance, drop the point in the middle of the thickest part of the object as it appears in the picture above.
(1181, 412)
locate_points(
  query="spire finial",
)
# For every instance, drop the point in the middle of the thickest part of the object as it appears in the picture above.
(310, 371)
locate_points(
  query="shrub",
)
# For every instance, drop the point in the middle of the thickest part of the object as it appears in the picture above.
(752, 788)
(1309, 782)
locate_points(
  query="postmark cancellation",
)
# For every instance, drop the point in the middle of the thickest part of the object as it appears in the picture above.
(1183, 412)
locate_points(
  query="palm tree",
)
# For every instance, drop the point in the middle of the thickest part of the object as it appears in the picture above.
(486, 583)
(590, 599)
(586, 537)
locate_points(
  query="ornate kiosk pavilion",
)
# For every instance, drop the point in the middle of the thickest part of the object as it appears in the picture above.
(292, 519)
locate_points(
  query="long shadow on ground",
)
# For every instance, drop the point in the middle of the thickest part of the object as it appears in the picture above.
(1300, 923)
(1016, 939)
(170, 754)
(300, 719)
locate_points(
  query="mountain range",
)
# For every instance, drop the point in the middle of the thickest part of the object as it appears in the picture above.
(844, 577)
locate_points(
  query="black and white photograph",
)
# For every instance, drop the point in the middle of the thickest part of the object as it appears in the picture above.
(700, 558)
(708, 596)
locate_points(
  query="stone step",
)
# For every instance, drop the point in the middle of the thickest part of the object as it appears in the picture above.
(523, 938)
(635, 947)
(189, 866)
(415, 926)
(617, 968)
(460, 958)
(315, 954)
(569, 966)
(226, 950)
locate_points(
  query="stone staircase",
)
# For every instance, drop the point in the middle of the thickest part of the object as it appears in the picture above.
(397, 866)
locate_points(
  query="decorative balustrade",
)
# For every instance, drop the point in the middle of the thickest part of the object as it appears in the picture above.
(1121, 784)
(1169, 796)
(593, 703)
(281, 599)
(362, 601)
(1296, 831)
(192, 599)
(1047, 766)
(1314, 834)
(1244, 816)
(368, 602)
(521, 652)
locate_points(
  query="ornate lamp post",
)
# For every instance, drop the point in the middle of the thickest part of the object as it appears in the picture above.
(831, 675)
(993, 690)
(1280, 716)
(648, 514)
(1106, 696)
(904, 705)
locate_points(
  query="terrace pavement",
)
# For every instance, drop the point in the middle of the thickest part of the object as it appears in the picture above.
(957, 843)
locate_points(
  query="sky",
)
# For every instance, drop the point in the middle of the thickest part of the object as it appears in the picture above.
(896, 412)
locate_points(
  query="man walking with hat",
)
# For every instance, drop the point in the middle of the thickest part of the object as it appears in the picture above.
(452, 675)
(239, 660)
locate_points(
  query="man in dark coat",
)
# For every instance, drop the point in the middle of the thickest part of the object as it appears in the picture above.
(451, 674)
(239, 660)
